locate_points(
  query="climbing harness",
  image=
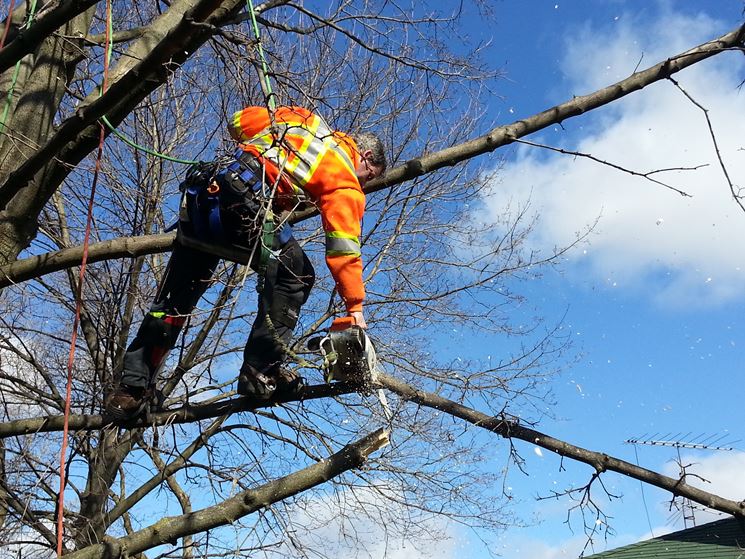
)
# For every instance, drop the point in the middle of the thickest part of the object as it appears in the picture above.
(215, 192)
(209, 190)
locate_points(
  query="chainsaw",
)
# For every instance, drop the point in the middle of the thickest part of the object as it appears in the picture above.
(349, 356)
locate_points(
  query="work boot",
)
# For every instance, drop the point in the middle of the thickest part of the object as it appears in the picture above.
(256, 384)
(290, 385)
(126, 402)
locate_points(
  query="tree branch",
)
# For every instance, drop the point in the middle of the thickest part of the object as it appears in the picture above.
(185, 414)
(599, 461)
(647, 175)
(170, 529)
(736, 193)
(27, 40)
(124, 247)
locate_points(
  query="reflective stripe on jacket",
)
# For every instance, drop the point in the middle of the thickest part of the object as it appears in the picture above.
(303, 155)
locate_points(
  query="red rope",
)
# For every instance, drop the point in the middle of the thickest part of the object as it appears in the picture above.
(7, 23)
(79, 303)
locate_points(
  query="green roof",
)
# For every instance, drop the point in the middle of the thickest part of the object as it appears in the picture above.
(723, 539)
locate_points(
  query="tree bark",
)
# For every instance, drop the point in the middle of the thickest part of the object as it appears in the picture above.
(185, 26)
(26, 41)
(30, 120)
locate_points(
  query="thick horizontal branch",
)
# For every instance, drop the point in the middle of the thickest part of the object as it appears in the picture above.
(500, 136)
(170, 529)
(27, 40)
(506, 134)
(599, 461)
(186, 414)
(123, 247)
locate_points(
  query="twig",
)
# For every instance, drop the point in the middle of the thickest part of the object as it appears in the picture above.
(646, 175)
(736, 195)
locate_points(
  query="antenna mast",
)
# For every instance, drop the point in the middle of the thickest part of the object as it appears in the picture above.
(689, 442)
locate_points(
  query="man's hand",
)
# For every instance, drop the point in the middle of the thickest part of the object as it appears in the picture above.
(359, 319)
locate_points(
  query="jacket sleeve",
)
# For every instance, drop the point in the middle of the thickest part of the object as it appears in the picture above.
(341, 212)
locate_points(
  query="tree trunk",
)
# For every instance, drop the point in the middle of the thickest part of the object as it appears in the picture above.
(38, 92)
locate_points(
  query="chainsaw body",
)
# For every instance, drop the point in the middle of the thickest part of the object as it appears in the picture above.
(348, 354)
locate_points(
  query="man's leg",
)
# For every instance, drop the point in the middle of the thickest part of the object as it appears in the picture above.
(187, 277)
(285, 292)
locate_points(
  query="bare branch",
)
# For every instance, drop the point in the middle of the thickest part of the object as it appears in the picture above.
(244, 503)
(736, 193)
(599, 461)
(647, 175)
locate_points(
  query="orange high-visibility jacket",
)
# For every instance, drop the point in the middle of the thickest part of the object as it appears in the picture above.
(306, 156)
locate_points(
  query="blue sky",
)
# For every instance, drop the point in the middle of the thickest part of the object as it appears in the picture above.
(654, 300)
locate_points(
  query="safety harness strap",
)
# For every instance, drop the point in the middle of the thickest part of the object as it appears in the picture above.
(206, 191)
(267, 242)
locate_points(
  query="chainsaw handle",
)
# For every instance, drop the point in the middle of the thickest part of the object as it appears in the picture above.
(359, 319)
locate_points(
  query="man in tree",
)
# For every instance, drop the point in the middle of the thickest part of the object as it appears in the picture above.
(282, 158)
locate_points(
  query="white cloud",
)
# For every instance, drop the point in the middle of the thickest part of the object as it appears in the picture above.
(681, 251)
(361, 523)
(17, 400)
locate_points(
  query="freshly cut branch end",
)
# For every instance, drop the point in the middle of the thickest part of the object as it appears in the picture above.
(371, 443)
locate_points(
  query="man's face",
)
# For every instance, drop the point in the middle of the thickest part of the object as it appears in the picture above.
(365, 170)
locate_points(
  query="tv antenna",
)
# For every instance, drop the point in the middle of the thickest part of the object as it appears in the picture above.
(687, 441)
